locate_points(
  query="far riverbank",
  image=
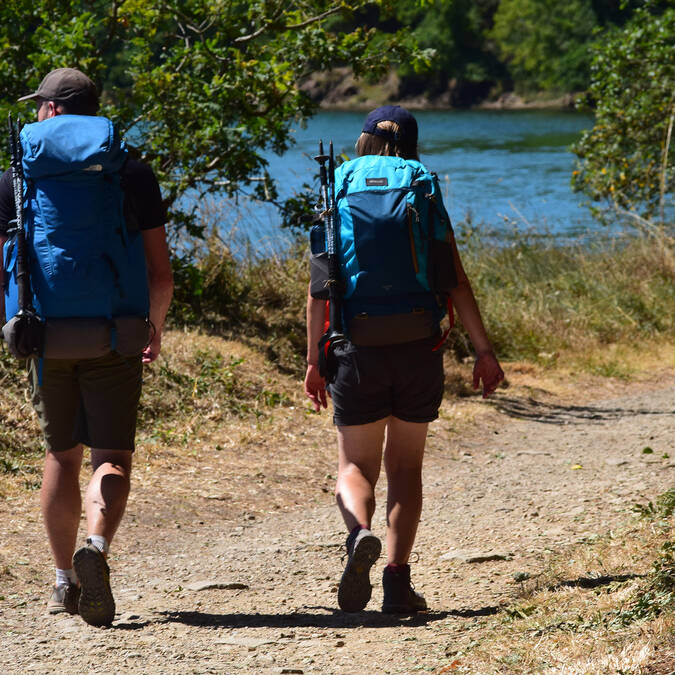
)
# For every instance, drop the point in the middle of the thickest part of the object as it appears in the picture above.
(340, 90)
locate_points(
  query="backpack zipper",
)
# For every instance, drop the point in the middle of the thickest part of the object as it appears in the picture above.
(411, 234)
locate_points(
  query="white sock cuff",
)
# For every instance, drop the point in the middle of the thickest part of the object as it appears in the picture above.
(65, 577)
(99, 541)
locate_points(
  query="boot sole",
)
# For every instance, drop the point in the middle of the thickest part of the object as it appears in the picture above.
(355, 589)
(96, 605)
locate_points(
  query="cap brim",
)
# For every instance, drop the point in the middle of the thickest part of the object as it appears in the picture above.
(27, 97)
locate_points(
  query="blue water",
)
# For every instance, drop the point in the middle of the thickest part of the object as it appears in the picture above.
(502, 169)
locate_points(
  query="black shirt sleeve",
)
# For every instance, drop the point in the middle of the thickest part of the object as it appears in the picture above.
(143, 206)
(7, 207)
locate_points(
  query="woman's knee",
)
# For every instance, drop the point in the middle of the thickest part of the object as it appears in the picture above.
(350, 472)
(405, 476)
(403, 462)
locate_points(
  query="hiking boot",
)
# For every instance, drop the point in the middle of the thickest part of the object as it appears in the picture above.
(96, 605)
(363, 549)
(63, 599)
(399, 595)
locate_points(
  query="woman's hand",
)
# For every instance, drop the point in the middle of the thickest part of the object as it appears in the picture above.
(488, 370)
(315, 388)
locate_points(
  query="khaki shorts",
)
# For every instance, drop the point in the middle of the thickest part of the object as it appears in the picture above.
(89, 401)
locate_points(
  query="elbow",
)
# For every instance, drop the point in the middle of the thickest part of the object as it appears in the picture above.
(161, 283)
(462, 288)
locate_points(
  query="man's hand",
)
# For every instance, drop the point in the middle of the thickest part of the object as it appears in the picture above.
(488, 370)
(315, 388)
(151, 352)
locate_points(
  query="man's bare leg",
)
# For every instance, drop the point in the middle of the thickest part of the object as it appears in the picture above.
(105, 501)
(108, 490)
(61, 503)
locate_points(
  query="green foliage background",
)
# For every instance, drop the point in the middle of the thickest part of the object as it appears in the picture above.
(550, 54)
(626, 160)
(202, 89)
(199, 88)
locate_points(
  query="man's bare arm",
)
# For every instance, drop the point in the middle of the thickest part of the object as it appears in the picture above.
(160, 283)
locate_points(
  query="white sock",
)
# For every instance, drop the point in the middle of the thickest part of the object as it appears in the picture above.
(99, 541)
(64, 577)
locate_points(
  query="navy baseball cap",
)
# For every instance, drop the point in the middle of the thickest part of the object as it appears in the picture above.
(392, 113)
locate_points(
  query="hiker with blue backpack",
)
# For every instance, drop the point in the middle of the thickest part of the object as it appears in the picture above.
(87, 285)
(382, 364)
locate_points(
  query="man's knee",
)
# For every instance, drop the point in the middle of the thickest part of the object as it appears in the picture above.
(118, 461)
(65, 460)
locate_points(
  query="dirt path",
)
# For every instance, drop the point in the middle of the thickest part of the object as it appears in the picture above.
(536, 477)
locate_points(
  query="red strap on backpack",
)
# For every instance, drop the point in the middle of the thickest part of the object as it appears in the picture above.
(326, 325)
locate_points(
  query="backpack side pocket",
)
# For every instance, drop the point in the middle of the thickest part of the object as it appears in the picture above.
(442, 274)
(318, 263)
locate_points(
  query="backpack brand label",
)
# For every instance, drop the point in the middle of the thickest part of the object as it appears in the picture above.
(377, 182)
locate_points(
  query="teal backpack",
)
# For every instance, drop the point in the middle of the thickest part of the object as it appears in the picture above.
(395, 247)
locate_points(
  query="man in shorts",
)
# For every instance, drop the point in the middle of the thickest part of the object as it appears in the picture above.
(91, 401)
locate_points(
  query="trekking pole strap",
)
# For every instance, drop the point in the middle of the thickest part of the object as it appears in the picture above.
(22, 269)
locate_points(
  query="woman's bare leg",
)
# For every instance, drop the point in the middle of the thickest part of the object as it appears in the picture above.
(360, 457)
(403, 455)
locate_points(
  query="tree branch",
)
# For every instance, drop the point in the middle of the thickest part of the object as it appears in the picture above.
(308, 22)
(664, 164)
(112, 23)
(295, 26)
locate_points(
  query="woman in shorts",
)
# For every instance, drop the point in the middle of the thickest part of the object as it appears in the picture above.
(384, 398)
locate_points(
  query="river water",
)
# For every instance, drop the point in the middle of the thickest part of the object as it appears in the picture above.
(504, 170)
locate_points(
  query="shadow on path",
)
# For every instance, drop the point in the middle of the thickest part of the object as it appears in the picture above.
(329, 618)
(551, 413)
(594, 582)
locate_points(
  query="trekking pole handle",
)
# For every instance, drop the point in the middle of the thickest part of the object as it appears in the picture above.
(331, 174)
(321, 158)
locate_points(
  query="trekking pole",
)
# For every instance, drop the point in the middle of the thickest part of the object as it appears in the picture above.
(334, 335)
(22, 271)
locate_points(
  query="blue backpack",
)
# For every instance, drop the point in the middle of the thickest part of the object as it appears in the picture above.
(395, 248)
(83, 261)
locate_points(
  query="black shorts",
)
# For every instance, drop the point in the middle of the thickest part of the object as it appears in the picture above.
(89, 401)
(404, 380)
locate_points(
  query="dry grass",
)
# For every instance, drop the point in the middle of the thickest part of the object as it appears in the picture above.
(541, 300)
(580, 616)
(202, 383)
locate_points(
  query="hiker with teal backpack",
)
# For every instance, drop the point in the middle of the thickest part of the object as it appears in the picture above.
(87, 284)
(400, 272)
